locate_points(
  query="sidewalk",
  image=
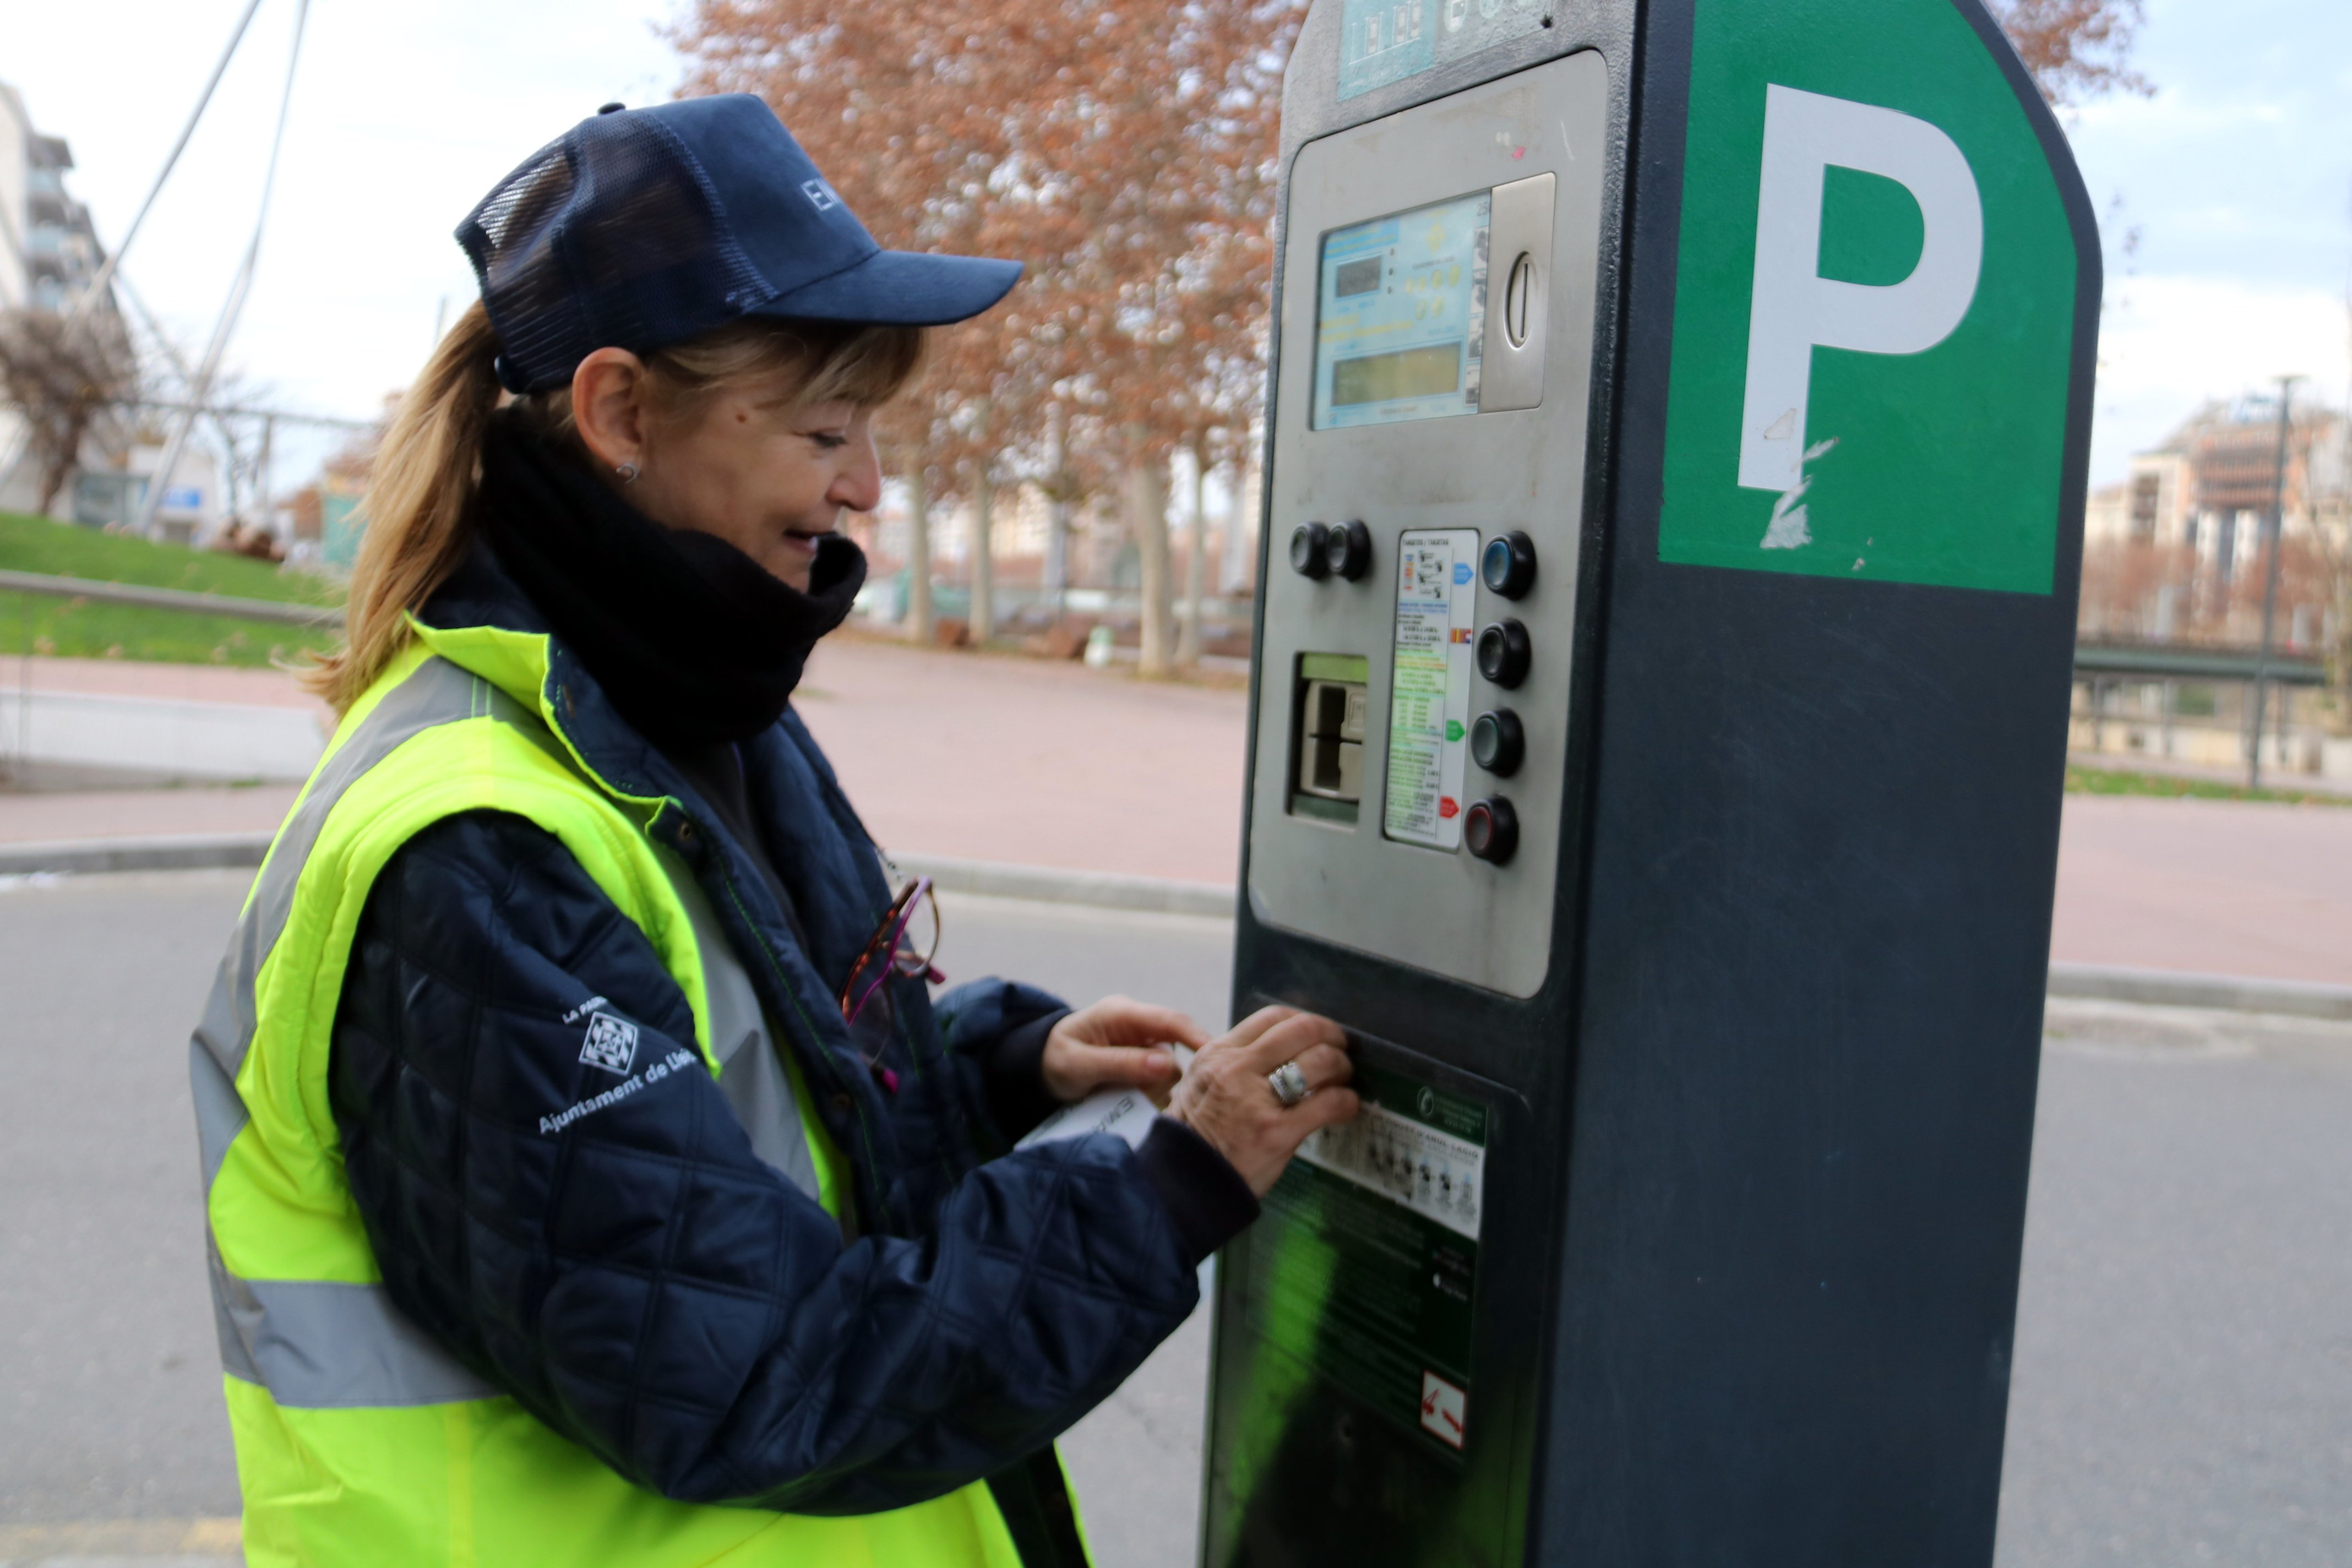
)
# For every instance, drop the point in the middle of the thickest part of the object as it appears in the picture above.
(100, 723)
(999, 758)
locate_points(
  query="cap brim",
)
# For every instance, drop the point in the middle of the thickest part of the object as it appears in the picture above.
(901, 288)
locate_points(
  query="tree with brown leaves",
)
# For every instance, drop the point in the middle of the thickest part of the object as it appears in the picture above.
(1127, 156)
(2075, 49)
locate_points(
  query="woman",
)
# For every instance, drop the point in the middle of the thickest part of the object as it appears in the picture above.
(590, 1175)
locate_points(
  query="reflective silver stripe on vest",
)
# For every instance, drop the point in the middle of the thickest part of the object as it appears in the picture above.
(320, 1344)
(751, 1074)
(436, 693)
(317, 1343)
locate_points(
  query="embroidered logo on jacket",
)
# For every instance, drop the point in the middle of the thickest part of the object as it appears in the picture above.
(612, 1043)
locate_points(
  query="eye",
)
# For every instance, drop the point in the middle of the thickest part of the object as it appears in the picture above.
(828, 440)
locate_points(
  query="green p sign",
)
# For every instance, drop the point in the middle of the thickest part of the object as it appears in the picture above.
(1873, 304)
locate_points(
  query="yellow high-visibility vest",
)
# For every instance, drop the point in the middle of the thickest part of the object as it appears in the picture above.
(358, 1439)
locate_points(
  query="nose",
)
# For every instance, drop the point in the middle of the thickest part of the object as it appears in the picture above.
(857, 484)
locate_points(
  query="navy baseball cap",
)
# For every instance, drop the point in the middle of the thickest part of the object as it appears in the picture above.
(642, 227)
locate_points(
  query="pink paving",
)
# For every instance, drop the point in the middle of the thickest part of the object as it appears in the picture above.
(2225, 887)
(996, 757)
(1000, 758)
(175, 682)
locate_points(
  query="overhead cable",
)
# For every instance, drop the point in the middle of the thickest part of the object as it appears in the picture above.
(200, 387)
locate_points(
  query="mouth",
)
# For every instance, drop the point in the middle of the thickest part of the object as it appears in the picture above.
(806, 538)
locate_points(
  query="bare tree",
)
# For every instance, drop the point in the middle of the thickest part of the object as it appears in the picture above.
(61, 376)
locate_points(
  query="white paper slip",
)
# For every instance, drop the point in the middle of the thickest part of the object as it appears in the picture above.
(1122, 1112)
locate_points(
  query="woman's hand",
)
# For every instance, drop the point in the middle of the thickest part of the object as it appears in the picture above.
(1226, 1096)
(1118, 1044)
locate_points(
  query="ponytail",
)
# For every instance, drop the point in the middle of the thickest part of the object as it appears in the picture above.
(417, 507)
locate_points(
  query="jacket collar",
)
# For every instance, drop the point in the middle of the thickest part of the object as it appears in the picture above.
(481, 620)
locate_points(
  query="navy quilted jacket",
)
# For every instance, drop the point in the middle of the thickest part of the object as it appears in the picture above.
(645, 1284)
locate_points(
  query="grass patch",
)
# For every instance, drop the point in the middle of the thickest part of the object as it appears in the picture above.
(83, 628)
(2167, 786)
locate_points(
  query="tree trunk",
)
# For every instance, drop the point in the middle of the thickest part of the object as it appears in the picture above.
(1148, 500)
(984, 529)
(1241, 532)
(983, 562)
(918, 553)
(1196, 559)
(1057, 506)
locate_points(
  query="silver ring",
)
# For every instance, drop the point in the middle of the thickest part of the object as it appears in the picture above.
(1289, 1083)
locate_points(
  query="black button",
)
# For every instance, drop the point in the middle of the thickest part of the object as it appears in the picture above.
(1491, 828)
(1498, 742)
(611, 107)
(1503, 653)
(1507, 564)
(1308, 544)
(1348, 550)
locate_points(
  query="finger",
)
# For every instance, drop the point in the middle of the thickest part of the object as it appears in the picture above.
(1116, 1021)
(1324, 1066)
(1289, 1038)
(1318, 1112)
(1134, 1067)
(1245, 1033)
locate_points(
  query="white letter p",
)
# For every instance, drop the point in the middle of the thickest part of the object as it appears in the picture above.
(1793, 308)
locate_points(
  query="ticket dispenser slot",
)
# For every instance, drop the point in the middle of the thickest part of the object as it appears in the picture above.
(1327, 782)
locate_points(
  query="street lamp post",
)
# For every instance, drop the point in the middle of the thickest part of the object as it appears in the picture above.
(2270, 584)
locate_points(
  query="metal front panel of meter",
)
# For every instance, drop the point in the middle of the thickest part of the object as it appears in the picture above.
(1426, 488)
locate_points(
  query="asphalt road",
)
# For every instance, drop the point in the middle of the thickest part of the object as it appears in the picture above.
(2183, 1374)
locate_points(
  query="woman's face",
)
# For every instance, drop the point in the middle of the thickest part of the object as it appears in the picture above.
(769, 476)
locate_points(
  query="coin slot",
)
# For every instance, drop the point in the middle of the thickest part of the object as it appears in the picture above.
(1520, 241)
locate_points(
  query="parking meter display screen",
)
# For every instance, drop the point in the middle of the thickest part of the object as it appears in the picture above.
(1402, 318)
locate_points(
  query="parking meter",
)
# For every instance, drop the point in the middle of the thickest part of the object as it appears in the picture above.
(1673, 484)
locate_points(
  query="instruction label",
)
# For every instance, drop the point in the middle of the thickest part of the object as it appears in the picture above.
(1369, 1269)
(1429, 703)
(1410, 1159)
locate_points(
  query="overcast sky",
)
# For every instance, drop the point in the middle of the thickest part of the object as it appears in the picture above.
(2237, 174)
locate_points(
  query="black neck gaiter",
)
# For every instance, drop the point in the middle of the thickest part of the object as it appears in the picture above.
(694, 641)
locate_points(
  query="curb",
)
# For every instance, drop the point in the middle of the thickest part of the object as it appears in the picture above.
(180, 852)
(2181, 988)
(1162, 895)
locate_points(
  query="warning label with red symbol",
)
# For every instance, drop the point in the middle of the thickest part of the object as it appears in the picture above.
(1445, 1409)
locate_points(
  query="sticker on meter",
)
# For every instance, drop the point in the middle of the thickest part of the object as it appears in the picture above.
(1429, 693)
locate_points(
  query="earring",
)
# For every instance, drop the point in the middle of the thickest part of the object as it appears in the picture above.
(628, 472)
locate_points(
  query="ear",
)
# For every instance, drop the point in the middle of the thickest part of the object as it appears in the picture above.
(608, 406)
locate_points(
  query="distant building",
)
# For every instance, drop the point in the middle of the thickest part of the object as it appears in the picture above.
(51, 251)
(49, 256)
(2178, 543)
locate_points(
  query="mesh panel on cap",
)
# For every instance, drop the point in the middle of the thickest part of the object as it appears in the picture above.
(612, 235)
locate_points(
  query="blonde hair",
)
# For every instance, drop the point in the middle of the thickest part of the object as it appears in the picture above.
(420, 494)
